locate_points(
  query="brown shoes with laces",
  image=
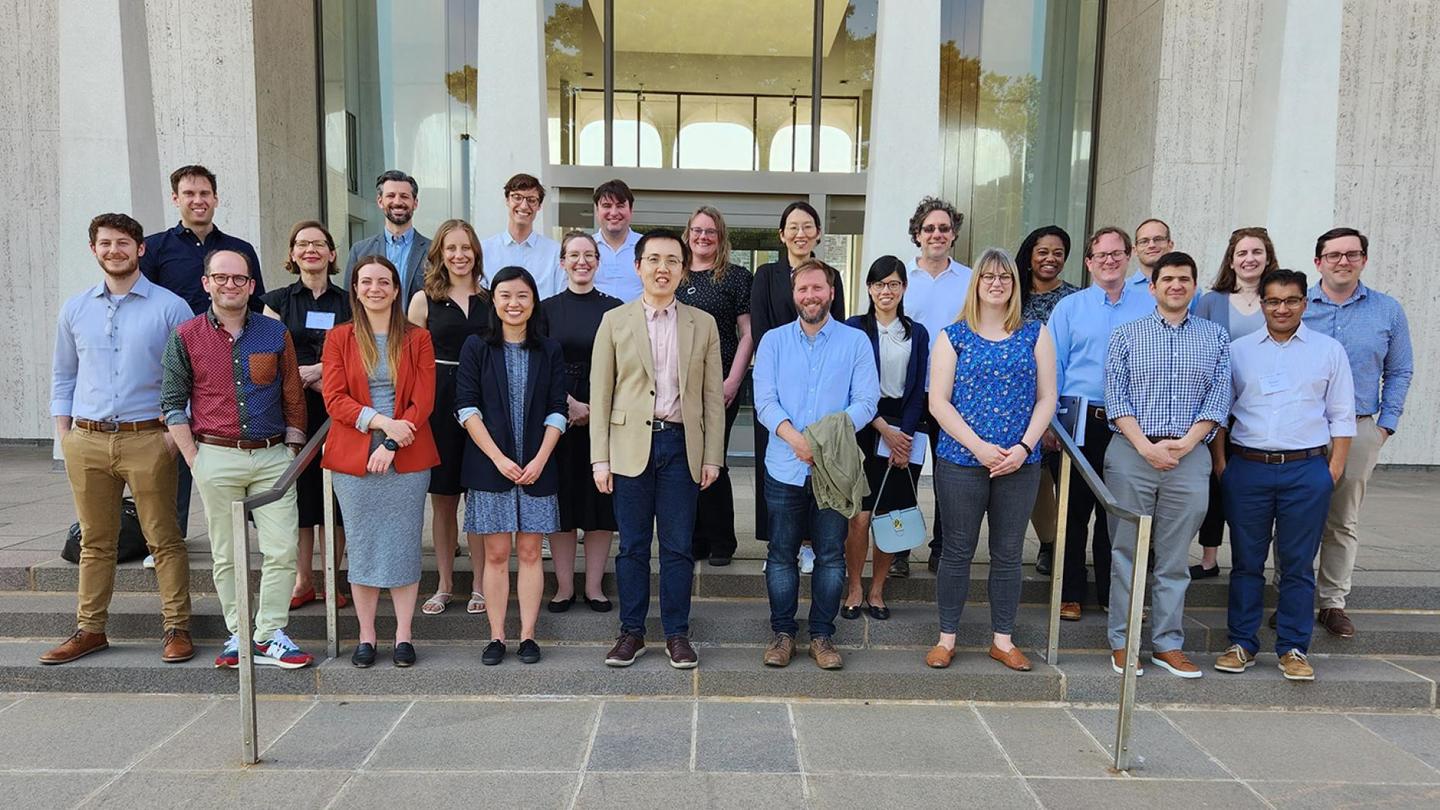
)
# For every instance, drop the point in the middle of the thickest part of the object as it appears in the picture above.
(780, 650)
(79, 645)
(176, 646)
(823, 650)
(1069, 611)
(1336, 622)
(681, 654)
(1177, 663)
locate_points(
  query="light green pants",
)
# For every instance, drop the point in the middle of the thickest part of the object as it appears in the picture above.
(223, 476)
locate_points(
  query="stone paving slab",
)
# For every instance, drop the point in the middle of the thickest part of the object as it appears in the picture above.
(742, 736)
(1325, 795)
(241, 790)
(645, 736)
(49, 790)
(1418, 735)
(445, 736)
(707, 791)
(884, 790)
(1162, 750)
(1105, 794)
(83, 731)
(399, 789)
(927, 740)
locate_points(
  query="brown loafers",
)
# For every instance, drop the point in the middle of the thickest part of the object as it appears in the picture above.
(939, 657)
(1012, 658)
(79, 645)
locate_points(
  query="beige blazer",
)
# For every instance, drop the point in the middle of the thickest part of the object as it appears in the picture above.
(622, 390)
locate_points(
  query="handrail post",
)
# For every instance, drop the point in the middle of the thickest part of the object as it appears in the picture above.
(240, 550)
(1132, 644)
(1057, 560)
(332, 620)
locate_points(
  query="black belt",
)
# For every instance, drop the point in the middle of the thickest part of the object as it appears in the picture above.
(106, 426)
(1095, 413)
(657, 425)
(1158, 439)
(1276, 456)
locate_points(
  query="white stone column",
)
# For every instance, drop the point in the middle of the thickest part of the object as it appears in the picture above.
(510, 98)
(1288, 168)
(904, 125)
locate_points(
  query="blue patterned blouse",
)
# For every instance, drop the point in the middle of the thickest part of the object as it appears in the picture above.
(994, 389)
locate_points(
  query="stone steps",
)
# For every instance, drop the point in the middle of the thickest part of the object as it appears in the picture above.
(1349, 682)
(717, 621)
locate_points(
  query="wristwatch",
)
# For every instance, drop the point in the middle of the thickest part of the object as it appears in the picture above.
(390, 444)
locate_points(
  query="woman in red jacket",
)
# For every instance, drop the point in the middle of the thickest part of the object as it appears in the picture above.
(379, 385)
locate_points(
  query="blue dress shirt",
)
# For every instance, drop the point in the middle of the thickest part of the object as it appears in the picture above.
(175, 259)
(616, 276)
(1293, 395)
(397, 250)
(1372, 327)
(107, 353)
(1081, 325)
(803, 379)
(538, 254)
(1168, 377)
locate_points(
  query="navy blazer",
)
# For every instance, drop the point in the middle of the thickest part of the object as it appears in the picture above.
(413, 272)
(481, 382)
(913, 404)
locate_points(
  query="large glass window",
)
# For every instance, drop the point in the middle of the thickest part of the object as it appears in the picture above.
(706, 87)
(1016, 111)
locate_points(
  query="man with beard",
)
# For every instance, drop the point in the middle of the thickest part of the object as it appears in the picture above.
(397, 195)
(105, 397)
(806, 371)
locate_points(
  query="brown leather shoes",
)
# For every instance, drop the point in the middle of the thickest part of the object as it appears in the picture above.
(79, 645)
(1013, 659)
(627, 648)
(780, 650)
(682, 655)
(1117, 663)
(939, 657)
(1336, 622)
(823, 650)
(1176, 663)
(1069, 611)
(176, 646)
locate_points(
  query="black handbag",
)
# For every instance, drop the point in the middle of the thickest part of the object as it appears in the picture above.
(132, 544)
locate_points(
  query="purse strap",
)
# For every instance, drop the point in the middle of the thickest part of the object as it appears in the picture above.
(886, 477)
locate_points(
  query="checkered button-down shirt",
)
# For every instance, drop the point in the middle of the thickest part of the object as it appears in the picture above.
(1168, 377)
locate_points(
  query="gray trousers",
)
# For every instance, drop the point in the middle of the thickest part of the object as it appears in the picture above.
(1178, 499)
(966, 496)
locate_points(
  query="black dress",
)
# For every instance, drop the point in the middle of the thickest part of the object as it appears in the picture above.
(449, 327)
(574, 319)
(295, 304)
(772, 304)
(726, 301)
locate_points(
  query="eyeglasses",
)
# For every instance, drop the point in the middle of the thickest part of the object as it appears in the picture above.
(887, 286)
(532, 199)
(303, 245)
(227, 280)
(1293, 302)
(655, 260)
(1152, 240)
(1114, 255)
(1352, 256)
(796, 230)
(589, 256)
(710, 233)
(996, 278)
(934, 228)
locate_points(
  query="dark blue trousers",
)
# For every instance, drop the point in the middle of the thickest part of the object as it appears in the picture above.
(1288, 502)
(794, 516)
(663, 496)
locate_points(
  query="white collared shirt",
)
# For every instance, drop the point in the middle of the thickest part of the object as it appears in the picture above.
(538, 254)
(1293, 395)
(935, 301)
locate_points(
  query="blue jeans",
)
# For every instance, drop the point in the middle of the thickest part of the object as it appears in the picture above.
(1292, 498)
(663, 494)
(795, 517)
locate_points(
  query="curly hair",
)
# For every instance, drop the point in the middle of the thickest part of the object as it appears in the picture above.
(928, 206)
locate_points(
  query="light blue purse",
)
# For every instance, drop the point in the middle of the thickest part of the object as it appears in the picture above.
(899, 529)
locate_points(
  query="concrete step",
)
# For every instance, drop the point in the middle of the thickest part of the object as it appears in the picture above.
(1372, 590)
(729, 671)
(28, 614)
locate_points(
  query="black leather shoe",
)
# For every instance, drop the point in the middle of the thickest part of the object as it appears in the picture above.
(879, 612)
(599, 605)
(494, 653)
(529, 651)
(1198, 571)
(899, 568)
(404, 655)
(1045, 559)
(719, 562)
(364, 656)
(850, 611)
(934, 562)
(561, 605)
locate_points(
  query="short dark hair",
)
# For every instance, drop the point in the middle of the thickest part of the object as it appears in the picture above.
(524, 182)
(1156, 220)
(881, 269)
(662, 233)
(1174, 258)
(1284, 277)
(1099, 232)
(799, 205)
(614, 189)
(535, 330)
(831, 274)
(123, 223)
(396, 176)
(212, 255)
(193, 170)
(1337, 233)
(928, 206)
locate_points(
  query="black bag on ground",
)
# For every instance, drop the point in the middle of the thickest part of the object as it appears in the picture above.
(132, 541)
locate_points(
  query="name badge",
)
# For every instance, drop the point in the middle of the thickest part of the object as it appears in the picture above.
(319, 320)
(1274, 383)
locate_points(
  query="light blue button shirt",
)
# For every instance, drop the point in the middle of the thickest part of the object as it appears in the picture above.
(1376, 335)
(804, 379)
(1081, 325)
(397, 250)
(1293, 395)
(616, 275)
(107, 353)
(538, 254)
(936, 301)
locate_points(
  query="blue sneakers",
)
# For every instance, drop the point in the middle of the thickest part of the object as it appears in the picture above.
(229, 658)
(281, 652)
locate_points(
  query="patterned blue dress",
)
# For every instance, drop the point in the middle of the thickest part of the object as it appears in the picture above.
(513, 510)
(994, 389)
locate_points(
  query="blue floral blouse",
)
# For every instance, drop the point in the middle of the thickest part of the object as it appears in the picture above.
(994, 389)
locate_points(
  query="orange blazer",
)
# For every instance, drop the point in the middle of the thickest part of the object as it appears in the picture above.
(347, 390)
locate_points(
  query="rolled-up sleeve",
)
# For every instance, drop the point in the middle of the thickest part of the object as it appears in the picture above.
(1340, 395)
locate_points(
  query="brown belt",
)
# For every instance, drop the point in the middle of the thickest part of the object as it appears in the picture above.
(1276, 456)
(119, 427)
(240, 444)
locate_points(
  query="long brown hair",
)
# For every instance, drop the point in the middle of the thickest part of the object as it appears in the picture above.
(290, 265)
(1226, 281)
(364, 335)
(437, 275)
(722, 238)
(996, 260)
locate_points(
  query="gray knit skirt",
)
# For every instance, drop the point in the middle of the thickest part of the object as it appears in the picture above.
(385, 516)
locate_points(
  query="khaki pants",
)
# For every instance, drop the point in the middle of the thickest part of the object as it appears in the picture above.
(225, 475)
(100, 466)
(1339, 541)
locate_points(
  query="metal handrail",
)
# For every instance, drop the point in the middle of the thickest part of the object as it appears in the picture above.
(240, 512)
(1073, 460)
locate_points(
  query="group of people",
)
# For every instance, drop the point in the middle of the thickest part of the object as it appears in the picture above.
(577, 389)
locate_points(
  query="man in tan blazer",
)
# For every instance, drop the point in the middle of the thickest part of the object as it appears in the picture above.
(656, 439)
